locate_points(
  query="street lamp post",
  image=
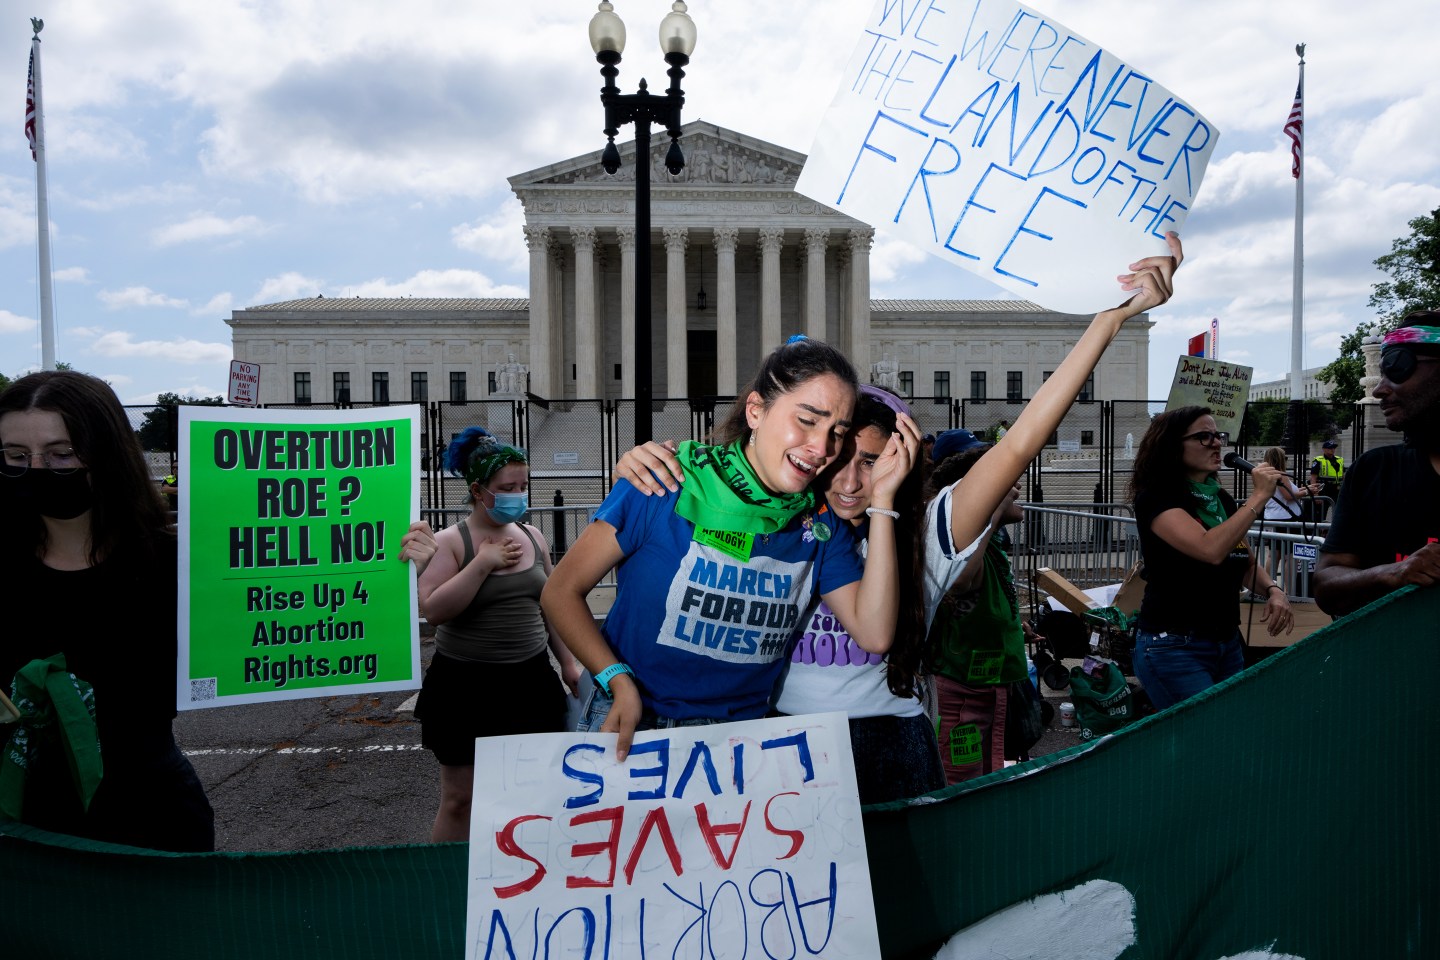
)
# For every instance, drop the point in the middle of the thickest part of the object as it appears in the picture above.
(677, 42)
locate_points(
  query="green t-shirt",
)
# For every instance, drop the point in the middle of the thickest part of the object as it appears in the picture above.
(976, 635)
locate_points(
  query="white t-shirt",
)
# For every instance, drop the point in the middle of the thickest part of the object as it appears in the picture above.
(829, 671)
(1278, 508)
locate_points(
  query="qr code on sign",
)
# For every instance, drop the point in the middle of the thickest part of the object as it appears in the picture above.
(202, 690)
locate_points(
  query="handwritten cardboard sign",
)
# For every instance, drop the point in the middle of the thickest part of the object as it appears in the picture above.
(291, 582)
(1223, 387)
(738, 839)
(1000, 140)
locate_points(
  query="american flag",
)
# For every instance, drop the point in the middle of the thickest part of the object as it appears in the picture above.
(30, 107)
(1294, 129)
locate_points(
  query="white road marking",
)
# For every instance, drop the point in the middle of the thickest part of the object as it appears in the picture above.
(252, 751)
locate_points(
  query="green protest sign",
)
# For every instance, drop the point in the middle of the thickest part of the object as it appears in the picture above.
(291, 582)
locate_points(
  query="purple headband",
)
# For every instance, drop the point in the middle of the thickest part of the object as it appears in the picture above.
(885, 397)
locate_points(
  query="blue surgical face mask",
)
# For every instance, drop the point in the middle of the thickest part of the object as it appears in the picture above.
(509, 507)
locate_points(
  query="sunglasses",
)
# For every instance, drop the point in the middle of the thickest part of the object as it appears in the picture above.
(1208, 437)
(1398, 362)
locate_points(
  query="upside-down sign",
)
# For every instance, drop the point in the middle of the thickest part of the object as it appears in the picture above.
(734, 840)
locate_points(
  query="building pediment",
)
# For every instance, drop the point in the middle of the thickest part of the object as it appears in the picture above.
(713, 156)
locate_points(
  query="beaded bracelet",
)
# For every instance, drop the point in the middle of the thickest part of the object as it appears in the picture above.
(892, 514)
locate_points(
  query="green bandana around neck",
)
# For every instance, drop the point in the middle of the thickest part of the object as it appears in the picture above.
(721, 492)
(49, 696)
(1207, 502)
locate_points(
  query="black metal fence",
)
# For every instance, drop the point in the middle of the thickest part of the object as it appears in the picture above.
(573, 445)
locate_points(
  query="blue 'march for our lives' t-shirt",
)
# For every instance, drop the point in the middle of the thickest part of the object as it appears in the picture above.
(705, 632)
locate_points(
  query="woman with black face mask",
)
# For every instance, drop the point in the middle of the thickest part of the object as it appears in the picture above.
(88, 558)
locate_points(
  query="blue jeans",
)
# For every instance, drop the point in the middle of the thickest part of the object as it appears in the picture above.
(1176, 666)
(597, 708)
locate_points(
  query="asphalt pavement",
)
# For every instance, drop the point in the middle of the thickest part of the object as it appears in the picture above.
(344, 771)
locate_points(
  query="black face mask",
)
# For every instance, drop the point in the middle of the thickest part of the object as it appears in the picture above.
(59, 496)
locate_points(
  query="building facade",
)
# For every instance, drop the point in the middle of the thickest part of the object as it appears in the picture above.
(1311, 388)
(740, 262)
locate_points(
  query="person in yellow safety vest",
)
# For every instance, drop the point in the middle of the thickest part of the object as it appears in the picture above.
(1327, 471)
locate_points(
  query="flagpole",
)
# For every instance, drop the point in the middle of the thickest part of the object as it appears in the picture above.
(1295, 439)
(1297, 316)
(42, 207)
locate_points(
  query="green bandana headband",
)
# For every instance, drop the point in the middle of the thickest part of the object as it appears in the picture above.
(490, 459)
(1207, 496)
(721, 492)
(57, 709)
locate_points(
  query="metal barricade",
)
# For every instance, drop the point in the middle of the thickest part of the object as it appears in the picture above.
(560, 525)
(1086, 543)
(1093, 545)
(1289, 551)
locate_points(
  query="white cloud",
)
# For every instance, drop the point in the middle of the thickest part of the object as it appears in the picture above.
(438, 283)
(890, 256)
(86, 136)
(138, 297)
(287, 286)
(17, 214)
(206, 226)
(146, 195)
(501, 237)
(120, 343)
(71, 275)
(10, 323)
(218, 305)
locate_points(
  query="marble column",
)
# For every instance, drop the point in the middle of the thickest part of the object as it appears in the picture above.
(587, 331)
(538, 240)
(559, 319)
(771, 240)
(626, 236)
(676, 341)
(725, 345)
(816, 239)
(859, 241)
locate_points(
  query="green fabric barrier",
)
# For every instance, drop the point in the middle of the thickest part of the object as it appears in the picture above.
(1288, 809)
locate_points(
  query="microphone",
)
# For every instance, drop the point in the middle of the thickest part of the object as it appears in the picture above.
(1234, 461)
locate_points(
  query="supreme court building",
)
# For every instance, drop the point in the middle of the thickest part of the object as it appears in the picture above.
(740, 262)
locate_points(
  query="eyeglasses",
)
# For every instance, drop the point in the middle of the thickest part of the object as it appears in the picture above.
(1208, 437)
(1398, 362)
(14, 461)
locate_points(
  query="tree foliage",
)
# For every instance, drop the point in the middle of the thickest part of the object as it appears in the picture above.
(157, 430)
(6, 381)
(1264, 423)
(1413, 266)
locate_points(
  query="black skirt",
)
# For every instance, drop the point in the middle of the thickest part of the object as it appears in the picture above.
(461, 700)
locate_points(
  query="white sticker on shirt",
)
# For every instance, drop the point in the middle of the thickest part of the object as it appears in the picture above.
(738, 612)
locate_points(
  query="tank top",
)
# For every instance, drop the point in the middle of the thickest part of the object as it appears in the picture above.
(502, 623)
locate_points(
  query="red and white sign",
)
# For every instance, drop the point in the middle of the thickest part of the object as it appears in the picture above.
(244, 383)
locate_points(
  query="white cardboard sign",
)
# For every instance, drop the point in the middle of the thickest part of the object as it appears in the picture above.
(1000, 140)
(1223, 387)
(706, 839)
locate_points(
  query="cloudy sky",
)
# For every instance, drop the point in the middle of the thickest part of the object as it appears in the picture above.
(208, 157)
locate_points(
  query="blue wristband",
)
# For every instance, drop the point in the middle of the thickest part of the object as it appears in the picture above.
(603, 678)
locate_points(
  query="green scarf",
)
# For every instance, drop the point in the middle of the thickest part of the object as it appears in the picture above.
(721, 492)
(1207, 502)
(57, 709)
